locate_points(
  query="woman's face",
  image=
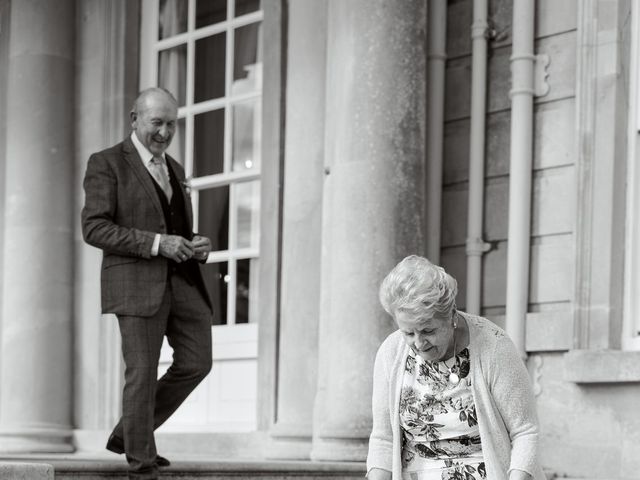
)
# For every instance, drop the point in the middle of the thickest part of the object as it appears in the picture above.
(430, 337)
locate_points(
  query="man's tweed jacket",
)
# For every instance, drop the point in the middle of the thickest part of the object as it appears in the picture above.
(121, 216)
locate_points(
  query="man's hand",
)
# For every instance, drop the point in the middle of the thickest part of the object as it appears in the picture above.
(202, 247)
(176, 248)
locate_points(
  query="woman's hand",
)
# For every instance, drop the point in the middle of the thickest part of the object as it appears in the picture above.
(379, 474)
(519, 475)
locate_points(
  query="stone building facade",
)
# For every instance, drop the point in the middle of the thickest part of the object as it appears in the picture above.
(313, 119)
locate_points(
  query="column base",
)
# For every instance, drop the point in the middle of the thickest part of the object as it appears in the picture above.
(290, 441)
(34, 440)
(289, 448)
(340, 449)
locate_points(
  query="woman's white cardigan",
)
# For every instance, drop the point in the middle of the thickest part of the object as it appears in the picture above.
(501, 390)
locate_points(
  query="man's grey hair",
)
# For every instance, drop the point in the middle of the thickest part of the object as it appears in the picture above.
(140, 102)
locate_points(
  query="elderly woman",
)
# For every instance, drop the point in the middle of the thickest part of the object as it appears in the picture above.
(451, 396)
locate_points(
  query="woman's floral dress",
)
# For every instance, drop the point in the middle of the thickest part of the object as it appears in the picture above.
(438, 421)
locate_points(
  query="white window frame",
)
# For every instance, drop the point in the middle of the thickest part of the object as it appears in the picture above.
(631, 316)
(149, 51)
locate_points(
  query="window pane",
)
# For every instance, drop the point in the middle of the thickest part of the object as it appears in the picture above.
(210, 11)
(243, 292)
(247, 72)
(208, 154)
(216, 279)
(247, 200)
(176, 149)
(246, 136)
(210, 67)
(172, 17)
(172, 71)
(246, 6)
(213, 216)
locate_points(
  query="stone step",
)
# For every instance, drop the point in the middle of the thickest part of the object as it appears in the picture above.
(70, 468)
(26, 471)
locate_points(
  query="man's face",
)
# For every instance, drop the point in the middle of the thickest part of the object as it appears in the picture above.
(155, 123)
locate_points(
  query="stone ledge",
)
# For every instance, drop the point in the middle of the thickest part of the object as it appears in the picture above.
(86, 467)
(248, 468)
(601, 366)
(205, 445)
(26, 471)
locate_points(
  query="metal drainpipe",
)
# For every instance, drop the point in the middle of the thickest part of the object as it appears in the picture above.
(437, 57)
(476, 247)
(520, 174)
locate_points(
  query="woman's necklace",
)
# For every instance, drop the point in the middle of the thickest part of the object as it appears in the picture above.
(454, 378)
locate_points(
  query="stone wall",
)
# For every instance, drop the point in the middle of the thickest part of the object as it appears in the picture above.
(589, 428)
(554, 156)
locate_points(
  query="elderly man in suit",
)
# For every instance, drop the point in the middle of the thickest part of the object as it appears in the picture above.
(138, 212)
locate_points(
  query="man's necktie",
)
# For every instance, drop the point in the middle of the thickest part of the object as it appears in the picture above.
(161, 175)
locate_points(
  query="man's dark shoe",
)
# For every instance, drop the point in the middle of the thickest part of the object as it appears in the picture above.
(116, 445)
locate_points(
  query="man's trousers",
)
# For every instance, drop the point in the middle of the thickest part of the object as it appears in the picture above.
(185, 318)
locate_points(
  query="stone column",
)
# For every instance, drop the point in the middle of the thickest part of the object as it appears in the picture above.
(37, 295)
(106, 86)
(302, 225)
(373, 201)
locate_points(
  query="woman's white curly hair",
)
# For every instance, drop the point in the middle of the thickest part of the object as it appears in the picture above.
(418, 287)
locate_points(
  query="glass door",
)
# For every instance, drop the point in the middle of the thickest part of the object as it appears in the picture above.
(208, 53)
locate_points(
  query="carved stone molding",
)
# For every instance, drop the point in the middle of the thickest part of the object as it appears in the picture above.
(600, 156)
(535, 370)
